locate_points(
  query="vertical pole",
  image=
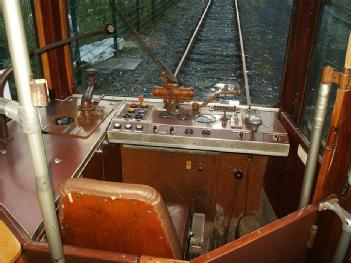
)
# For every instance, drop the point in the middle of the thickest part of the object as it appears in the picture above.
(342, 247)
(138, 15)
(114, 22)
(153, 9)
(316, 137)
(74, 31)
(30, 123)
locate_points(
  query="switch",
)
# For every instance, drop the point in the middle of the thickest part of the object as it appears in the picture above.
(139, 127)
(138, 117)
(155, 129)
(117, 125)
(128, 126)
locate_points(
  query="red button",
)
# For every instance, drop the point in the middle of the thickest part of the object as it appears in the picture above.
(133, 105)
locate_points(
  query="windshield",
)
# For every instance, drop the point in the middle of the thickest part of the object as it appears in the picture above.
(215, 58)
(214, 61)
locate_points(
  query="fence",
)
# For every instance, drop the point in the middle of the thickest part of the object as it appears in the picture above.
(88, 15)
(84, 16)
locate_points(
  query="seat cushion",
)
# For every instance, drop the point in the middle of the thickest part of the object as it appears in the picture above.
(180, 218)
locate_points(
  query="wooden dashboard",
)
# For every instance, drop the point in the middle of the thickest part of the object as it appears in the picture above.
(69, 155)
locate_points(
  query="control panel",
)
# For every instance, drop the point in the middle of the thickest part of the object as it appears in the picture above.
(215, 127)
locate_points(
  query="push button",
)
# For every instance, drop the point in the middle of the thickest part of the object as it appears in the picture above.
(139, 127)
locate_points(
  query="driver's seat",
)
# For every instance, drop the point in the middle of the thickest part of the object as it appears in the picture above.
(126, 218)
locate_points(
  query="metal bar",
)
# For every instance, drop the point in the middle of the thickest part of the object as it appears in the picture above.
(10, 109)
(114, 22)
(316, 138)
(66, 41)
(143, 43)
(192, 40)
(342, 247)
(30, 123)
(73, 10)
(243, 56)
(332, 204)
(137, 9)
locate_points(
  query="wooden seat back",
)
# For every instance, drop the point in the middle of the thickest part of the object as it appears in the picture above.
(119, 217)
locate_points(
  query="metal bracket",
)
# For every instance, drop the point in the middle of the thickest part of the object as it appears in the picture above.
(333, 205)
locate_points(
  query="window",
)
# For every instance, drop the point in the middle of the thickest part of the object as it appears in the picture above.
(330, 49)
(5, 59)
(125, 69)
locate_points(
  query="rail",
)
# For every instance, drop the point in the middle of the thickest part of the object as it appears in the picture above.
(192, 39)
(243, 56)
(242, 50)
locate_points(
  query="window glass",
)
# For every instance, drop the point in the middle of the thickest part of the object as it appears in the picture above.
(330, 50)
(5, 59)
(125, 69)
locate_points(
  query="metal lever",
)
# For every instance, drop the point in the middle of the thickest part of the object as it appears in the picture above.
(345, 238)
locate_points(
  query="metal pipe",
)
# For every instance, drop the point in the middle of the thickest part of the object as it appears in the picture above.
(30, 123)
(10, 109)
(343, 245)
(315, 142)
(344, 241)
(106, 29)
(243, 56)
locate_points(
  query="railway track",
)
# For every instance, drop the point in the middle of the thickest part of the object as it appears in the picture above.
(215, 53)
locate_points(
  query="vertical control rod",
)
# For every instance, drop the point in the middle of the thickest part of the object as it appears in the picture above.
(316, 137)
(29, 117)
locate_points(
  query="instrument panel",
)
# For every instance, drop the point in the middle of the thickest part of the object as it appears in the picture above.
(216, 127)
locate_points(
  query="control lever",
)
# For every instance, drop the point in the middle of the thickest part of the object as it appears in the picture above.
(196, 106)
(87, 106)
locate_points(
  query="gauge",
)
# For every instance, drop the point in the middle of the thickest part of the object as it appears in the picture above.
(205, 118)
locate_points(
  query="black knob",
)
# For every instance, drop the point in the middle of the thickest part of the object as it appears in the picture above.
(171, 130)
(238, 175)
(188, 131)
(206, 132)
(155, 129)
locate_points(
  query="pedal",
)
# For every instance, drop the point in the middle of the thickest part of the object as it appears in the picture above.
(196, 246)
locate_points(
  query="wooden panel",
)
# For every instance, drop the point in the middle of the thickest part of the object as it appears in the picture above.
(148, 259)
(94, 168)
(166, 171)
(17, 182)
(52, 25)
(121, 225)
(337, 155)
(284, 176)
(282, 241)
(112, 162)
(333, 173)
(34, 252)
(234, 195)
(303, 32)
